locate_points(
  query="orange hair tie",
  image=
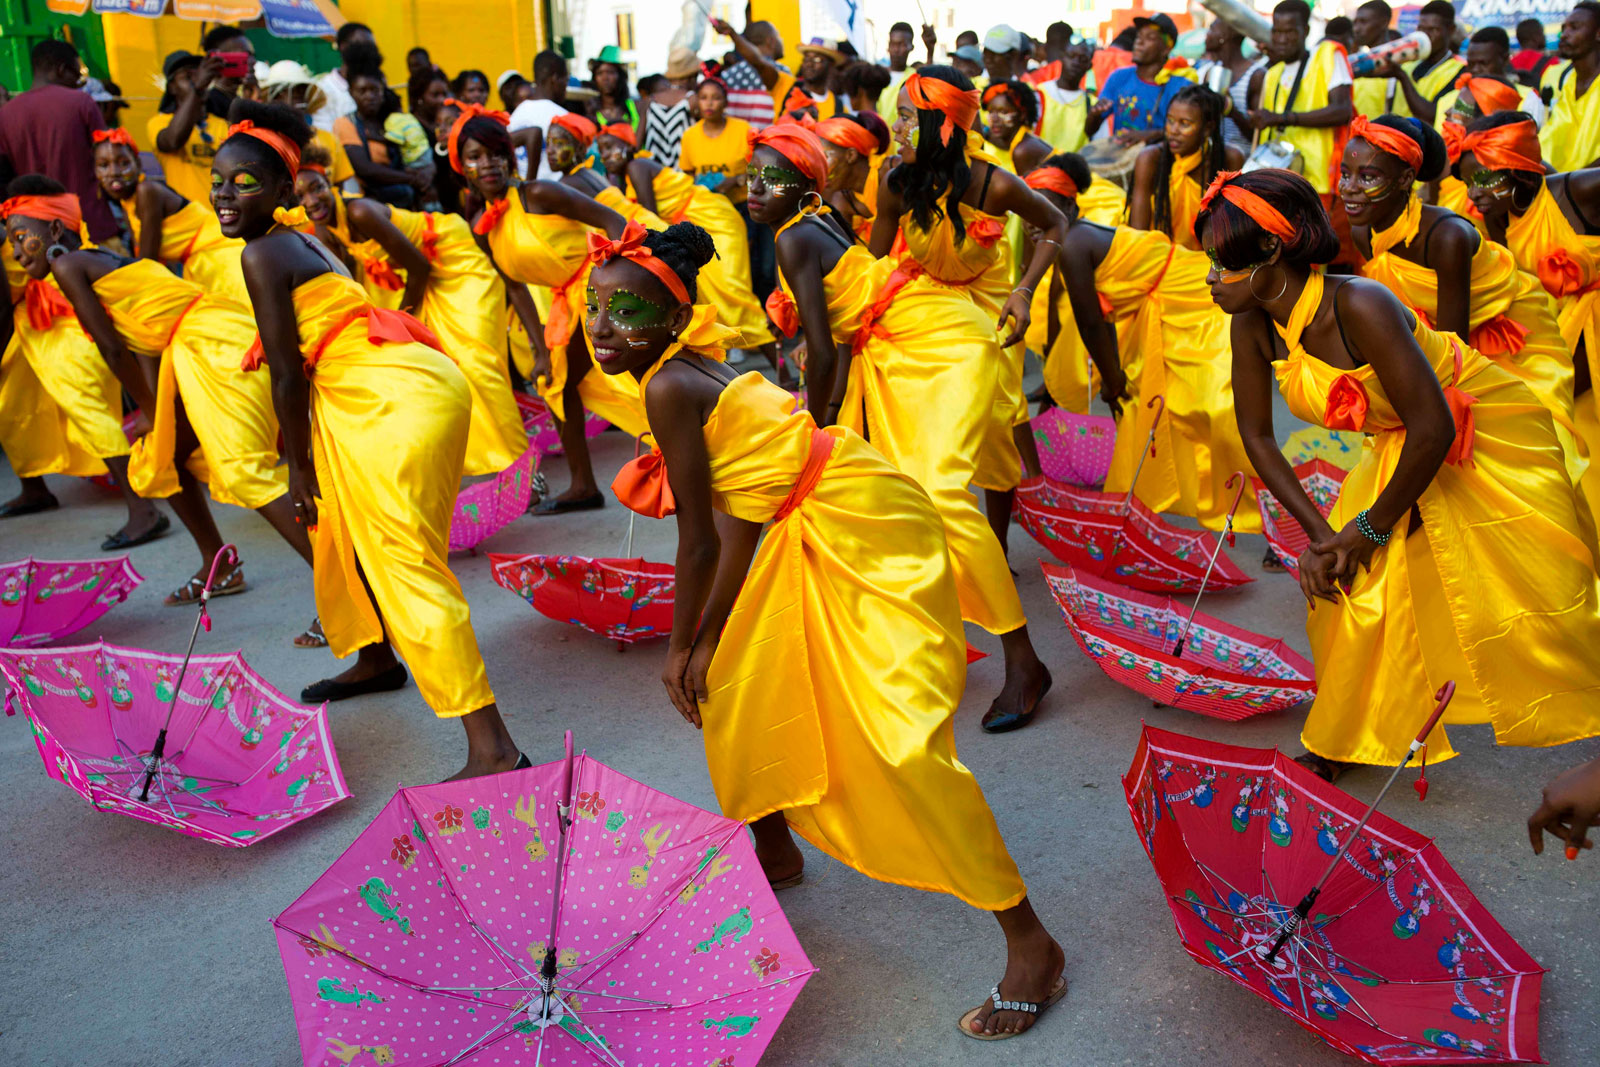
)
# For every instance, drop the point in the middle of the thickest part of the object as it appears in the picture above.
(846, 133)
(796, 144)
(1490, 95)
(960, 107)
(1514, 146)
(115, 135)
(622, 132)
(1386, 140)
(630, 246)
(287, 150)
(1265, 215)
(469, 112)
(60, 207)
(583, 131)
(1052, 179)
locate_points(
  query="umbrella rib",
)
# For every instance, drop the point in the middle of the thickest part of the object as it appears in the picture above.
(1372, 890)
(483, 1041)
(409, 983)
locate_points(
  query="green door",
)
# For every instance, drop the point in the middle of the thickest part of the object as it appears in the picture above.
(24, 23)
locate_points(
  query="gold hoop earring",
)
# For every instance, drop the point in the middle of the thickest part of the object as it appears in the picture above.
(811, 203)
(1266, 299)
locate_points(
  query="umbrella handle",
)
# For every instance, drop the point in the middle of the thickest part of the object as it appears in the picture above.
(1443, 696)
(231, 555)
(1147, 451)
(1227, 534)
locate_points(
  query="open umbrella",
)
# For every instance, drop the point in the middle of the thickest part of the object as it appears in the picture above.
(284, 18)
(1398, 964)
(541, 427)
(1342, 448)
(1075, 449)
(559, 915)
(1321, 481)
(199, 744)
(487, 507)
(44, 600)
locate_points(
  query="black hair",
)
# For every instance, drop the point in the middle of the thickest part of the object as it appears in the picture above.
(939, 166)
(50, 53)
(1443, 9)
(622, 95)
(458, 84)
(1073, 165)
(1058, 31)
(1435, 158)
(1495, 35)
(34, 185)
(650, 83)
(964, 34)
(414, 49)
(487, 132)
(1239, 240)
(1339, 27)
(1296, 8)
(1591, 6)
(867, 77)
(316, 153)
(1379, 6)
(1531, 28)
(685, 248)
(1213, 154)
(1025, 97)
(219, 35)
(873, 123)
(417, 84)
(349, 30)
(280, 119)
(903, 27)
(363, 60)
(549, 64)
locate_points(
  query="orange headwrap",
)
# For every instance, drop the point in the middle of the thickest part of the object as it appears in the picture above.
(959, 108)
(1266, 216)
(583, 131)
(316, 167)
(1514, 146)
(1490, 95)
(1384, 139)
(62, 208)
(1001, 89)
(287, 150)
(1452, 133)
(469, 112)
(1053, 179)
(798, 100)
(630, 246)
(846, 133)
(796, 144)
(622, 132)
(116, 135)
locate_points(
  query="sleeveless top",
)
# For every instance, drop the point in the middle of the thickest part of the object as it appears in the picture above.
(663, 131)
(547, 250)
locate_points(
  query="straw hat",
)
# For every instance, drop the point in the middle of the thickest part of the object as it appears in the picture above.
(286, 75)
(682, 63)
(818, 45)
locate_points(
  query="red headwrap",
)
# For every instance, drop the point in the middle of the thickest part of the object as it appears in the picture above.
(622, 132)
(1386, 140)
(287, 150)
(796, 144)
(1053, 179)
(469, 112)
(1514, 146)
(61, 207)
(1265, 215)
(316, 167)
(630, 246)
(959, 108)
(583, 131)
(1489, 94)
(116, 135)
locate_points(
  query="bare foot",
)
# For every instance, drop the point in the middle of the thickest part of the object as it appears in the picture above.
(1033, 966)
(781, 859)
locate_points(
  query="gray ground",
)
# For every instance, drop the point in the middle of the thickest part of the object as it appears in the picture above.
(130, 946)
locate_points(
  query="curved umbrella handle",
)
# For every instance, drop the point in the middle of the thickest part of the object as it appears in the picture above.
(225, 553)
(1159, 402)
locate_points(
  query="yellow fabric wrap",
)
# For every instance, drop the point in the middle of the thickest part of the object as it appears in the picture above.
(1496, 592)
(193, 237)
(389, 425)
(1183, 199)
(1570, 139)
(1453, 197)
(1316, 143)
(922, 387)
(1172, 341)
(200, 341)
(843, 660)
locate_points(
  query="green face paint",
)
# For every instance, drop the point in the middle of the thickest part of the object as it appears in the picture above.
(628, 311)
(777, 177)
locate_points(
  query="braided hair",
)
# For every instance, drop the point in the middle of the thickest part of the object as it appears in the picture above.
(685, 248)
(1213, 153)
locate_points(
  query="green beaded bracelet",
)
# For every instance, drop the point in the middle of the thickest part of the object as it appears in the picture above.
(1364, 524)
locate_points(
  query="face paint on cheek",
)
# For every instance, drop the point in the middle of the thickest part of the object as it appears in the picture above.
(631, 312)
(32, 245)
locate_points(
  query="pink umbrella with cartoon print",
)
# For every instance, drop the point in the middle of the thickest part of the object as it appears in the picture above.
(44, 600)
(563, 914)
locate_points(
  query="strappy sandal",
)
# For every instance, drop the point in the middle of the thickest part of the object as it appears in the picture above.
(539, 490)
(1328, 770)
(189, 592)
(312, 636)
(1027, 1007)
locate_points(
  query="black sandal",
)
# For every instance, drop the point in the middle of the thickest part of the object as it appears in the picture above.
(119, 540)
(330, 691)
(557, 506)
(12, 509)
(1327, 769)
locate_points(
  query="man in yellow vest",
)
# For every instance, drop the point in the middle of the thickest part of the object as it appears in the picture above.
(1067, 102)
(1423, 81)
(1373, 95)
(1489, 56)
(1570, 139)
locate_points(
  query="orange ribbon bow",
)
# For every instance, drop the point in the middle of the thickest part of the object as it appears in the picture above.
(630, 246)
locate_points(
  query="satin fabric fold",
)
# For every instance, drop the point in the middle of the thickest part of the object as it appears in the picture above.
(1183, 199)
(1496, 592)
(192, 237)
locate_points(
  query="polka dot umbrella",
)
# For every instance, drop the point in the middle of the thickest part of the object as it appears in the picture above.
(559, 915)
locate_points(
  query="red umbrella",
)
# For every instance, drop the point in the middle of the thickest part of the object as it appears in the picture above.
(1399, 963)
(1075, 449)
(1321, 480)
(627, 600)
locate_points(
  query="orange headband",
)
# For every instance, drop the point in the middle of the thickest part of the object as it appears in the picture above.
(317, 167)
(287, 150)
(622, 132)
(583, 131)
(1514, 146)
(115, 135)
(1452, 133)
(1265, 215)
(796, 144)
(846, 133)
(61, 207)
(1002, 89)
(469, 112)
(630, 246)
(1490, 95)
(959, 107)
(1053, 179)
(1387, 140)
(798, 100)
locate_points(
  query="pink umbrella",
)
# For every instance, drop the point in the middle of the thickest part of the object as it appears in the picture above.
(1075, 449)
(559, 915)
(44, 600)
(177, 741)
(541, 427)
(486, 508)
(1321, 481)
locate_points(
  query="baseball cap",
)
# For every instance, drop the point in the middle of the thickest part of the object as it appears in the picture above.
(506, 75)
(970, 52)
(100, 94)
(1003, 38)
(1163, 23)
(176, 61)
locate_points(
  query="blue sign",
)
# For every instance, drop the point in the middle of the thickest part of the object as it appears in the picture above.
(296, 18)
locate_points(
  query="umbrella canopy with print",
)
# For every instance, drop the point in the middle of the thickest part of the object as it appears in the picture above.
(541, 427)
(240, 762)
(559, 915)
(1221, 670)
(487, 507)
(44, 600)
(1075, 449)
(627, 600)
(1321, 480)
(1398, 963)
(1342, 448)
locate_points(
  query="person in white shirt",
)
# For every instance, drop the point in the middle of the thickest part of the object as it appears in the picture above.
(337, 103)
(532, 117)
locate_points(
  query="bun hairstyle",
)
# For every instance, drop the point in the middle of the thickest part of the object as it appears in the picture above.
(1435, 160)
(278, 118)
(873, 123)
(685, 248)
(1240, 242)
(34, 185)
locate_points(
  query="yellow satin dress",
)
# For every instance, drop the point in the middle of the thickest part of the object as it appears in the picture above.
(1453, 197)
(921, 387)
(465, 305)
(59, 401)
(201, 341)
(1496, 592)
(552, 251)
(191, 236)
(724, 283)
(854, 585)
(1183, 200)
(1173, 341)
(389, 426)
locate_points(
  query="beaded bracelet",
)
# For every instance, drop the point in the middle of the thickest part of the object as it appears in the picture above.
(1364, 524)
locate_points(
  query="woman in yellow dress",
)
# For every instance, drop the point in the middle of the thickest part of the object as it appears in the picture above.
(534, 234)
(856, 147)
(1168, 177)
(166, 227)
(907, 362)
(675, 197)
(567, 145)
(59, 401)
(1455, 552)
(375, 424)
(429, 265)
(852, 580)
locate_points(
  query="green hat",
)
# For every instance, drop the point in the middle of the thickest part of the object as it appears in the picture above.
(609, 54)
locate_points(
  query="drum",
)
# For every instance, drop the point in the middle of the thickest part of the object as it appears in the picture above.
(1112, 161)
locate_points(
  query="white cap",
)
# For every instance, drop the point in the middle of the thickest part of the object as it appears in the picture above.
(505, 76)
(1002, 38)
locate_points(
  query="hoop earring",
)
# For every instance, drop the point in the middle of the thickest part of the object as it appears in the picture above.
(811, 203)
(55, 252)
(1266, 299)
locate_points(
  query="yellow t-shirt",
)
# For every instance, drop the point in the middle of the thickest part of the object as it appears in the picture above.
(188, 172)
(1570, 139)
(700, 154)
(827, 107)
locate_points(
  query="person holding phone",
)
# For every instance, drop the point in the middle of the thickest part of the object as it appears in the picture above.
(193, 116)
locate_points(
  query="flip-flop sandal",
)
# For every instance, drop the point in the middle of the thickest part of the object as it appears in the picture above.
(557, 506)
(330, 691)
(119, 540)
(189, 592)
(312, 636)
(1271, 563)
(1036, 1010)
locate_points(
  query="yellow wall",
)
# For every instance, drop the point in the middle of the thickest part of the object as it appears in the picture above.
(135, 48)
(489, 35)
(785, 15)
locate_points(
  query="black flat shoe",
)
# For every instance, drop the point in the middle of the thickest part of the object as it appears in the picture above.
(12, 509)
(523, 762)
(556, 506)
(330, 691)
(1005, 721)
(119, 540)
